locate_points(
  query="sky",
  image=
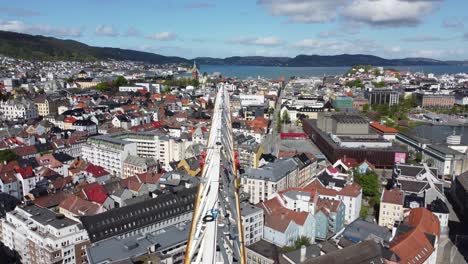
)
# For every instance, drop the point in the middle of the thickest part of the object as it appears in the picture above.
(221, 28)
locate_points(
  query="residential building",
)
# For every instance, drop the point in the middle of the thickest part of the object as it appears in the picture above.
(48, 105)
(166, 247)
(41, 236)
(417, 237)
(108, 152)
(343, 102)
(18, 109)
(167, 209)
(283, 225)
(262, 252)
(262, 182)
(391, 207)
(252, 222)
(134, 165)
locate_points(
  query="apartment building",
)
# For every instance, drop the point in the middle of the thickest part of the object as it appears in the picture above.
(108, 152)
(391, 207)
(47, 105)
(427, 100)
(382, 96)
(252, 221)
(158, 145)
(273, 177)
(18, 109)
(41, 236)
(136, 165)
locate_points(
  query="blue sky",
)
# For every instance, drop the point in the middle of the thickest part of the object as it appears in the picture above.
(192, 28)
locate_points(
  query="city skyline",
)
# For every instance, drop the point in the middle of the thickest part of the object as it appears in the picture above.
(414, 28)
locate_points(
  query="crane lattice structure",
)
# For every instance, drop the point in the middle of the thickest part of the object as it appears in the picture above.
(216, 234)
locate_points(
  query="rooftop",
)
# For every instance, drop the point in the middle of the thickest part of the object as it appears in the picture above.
(393, 196)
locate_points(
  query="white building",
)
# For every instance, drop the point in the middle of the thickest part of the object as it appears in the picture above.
(108, 152)
(251, 99)
(15, 109)
(252, 221)
(41, 236)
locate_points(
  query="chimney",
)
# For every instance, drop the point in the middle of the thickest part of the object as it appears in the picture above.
(282, 216)
(394, 230)
(303, 253)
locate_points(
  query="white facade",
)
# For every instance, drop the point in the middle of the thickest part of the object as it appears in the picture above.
(251, 99)
(353, 207)
(40, 236)
(252, 221)
(108, 153)
(13, 109)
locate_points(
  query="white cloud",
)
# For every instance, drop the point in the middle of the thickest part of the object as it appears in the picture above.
(304, 11)
(38, 29)
(392, 13)
(163, 36)
(265, 41)
(106, 31)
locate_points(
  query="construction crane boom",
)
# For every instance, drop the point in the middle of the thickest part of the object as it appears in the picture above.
(216, 234)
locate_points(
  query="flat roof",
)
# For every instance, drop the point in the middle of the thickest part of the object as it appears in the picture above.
(116, 249)
(48, 217)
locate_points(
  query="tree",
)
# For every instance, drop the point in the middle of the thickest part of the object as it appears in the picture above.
(286, 118)
(7, 155)
(298, 243)
(369, 182)
(278, 122)
(365, 108)
(120, 81)
(103, 87)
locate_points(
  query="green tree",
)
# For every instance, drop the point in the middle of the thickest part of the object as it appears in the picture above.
(120, 81)
(298, 243)
(103, 87)
(278, 122)
(286, 118)
(7, 155)
(365, 108)
(369, 182)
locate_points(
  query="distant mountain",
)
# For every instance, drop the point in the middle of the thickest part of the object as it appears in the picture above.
(31, 47)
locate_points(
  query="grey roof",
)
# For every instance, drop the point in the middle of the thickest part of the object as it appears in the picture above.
(444, 149)
(47, 217)
(463, 180)
(140, 161)
(272, 171)
(364, 252)
(312, 251)
(360, 230)
(248, 209)
(266, 249)
(135, 216)
(115, 249)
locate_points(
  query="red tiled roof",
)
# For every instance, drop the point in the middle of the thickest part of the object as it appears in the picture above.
(69, 119)
(8, 177)
(95, 192)
(328, 205)
(25, 151)
(382, 128)
(278, 218)
(96, 171)
(414, 246)
(26, 172)
(149, 177)
(80, 207)
(353, 190)
(50, 200)
(393, 196)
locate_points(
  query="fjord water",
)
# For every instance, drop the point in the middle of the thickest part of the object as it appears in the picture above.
(286, 72)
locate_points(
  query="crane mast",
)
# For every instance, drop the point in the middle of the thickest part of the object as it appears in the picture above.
(216, 234)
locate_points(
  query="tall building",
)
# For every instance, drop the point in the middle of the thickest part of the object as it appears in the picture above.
(426, 100)
(41, 236)
(382, 96)
(252, 221)
(108, 152)
(391, 207)
(47, 105)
